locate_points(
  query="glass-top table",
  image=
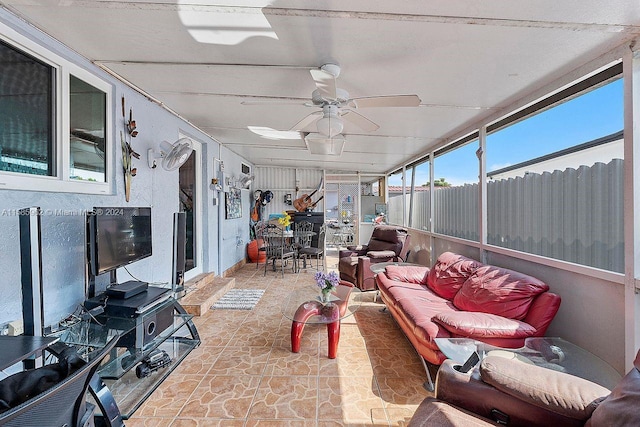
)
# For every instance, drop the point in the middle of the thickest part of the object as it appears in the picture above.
(305, 306)
(547, 352)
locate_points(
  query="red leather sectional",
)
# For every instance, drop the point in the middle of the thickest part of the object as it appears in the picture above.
(461, 297)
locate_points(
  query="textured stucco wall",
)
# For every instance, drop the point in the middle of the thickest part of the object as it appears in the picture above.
(63, 235)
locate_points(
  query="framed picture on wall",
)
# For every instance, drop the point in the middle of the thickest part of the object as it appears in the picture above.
(233, 204)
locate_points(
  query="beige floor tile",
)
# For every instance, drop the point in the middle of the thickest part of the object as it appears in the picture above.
(199, 361)
(206, 422)
(284, 362)
(141, 421)
(402, 394)
(353, 362)
(222, 396)
(168, 399)
(286, 397)
(397, 362)
(351, 400)
(241, 361)
(280, 423)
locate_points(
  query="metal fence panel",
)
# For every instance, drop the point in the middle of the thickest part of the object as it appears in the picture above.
(573, 215)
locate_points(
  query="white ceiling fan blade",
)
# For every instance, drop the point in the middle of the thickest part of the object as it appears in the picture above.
(307, 121)
(361, 121)
(387, 101)
(275, 101)
(326, 83)
(270, 133)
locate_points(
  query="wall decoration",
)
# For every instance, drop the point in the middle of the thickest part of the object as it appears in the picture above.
(233, 204)
(127, 151)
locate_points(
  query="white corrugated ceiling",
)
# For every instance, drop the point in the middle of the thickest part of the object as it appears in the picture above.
(464, 59)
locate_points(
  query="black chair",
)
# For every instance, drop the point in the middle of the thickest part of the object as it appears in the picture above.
(302, 236)
(310, 251)
(64, 404)
(277, 248)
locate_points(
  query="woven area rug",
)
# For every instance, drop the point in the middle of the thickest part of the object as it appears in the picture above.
(239, 299)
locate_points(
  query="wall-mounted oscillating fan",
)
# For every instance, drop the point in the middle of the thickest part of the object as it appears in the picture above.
(173, 155)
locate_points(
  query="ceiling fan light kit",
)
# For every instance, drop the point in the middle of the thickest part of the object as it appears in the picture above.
(330, 124)
(321, 144)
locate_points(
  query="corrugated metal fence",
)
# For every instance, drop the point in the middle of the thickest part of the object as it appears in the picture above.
(573, 215)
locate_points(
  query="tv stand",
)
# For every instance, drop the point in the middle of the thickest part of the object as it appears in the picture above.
(118, 384)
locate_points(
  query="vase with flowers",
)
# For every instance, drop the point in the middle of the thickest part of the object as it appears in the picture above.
(285, 220)
(327, 282)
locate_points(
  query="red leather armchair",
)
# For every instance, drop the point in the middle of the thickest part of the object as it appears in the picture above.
(388, 243)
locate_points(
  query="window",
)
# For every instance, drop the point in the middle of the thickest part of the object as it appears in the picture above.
(420, 206)
(555, 179)
(395, 213)
(53, 121)
(87, 134)
(456, 203)
(26, 113)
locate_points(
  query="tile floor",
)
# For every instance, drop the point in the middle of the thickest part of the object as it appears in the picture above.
(244, 373)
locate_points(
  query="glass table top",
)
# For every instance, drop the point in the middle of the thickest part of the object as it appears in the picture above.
(343, 302)
(547, 352)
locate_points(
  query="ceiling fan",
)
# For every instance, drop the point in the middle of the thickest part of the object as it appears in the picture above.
(336, 106)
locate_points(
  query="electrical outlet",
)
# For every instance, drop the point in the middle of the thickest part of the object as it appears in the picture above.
(16, 328)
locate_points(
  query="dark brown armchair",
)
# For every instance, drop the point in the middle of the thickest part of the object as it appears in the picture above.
(388, 243)
(509, 392)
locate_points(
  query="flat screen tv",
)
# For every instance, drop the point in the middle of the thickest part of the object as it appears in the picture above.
(118, 236)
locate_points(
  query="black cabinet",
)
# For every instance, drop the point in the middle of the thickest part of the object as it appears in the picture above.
(316, 218)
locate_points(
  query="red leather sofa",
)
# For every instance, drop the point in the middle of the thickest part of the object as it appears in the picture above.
(461, 297)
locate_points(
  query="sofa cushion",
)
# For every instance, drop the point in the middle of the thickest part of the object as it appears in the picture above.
(449, 274)
(483, 325)
(499, 291)
(411, 274)
(418, 312)
(381, 254)
(559, 392)
(387, 238)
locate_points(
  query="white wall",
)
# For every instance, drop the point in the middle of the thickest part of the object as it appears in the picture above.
(63, 236)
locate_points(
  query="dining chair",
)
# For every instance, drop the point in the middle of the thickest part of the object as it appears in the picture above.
(260, 230)
(277, 247)
(317, 252)
(302, 234)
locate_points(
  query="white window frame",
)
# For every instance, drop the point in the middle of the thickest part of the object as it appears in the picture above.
(61, 182)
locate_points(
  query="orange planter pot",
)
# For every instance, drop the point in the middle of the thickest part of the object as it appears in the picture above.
(255, 255)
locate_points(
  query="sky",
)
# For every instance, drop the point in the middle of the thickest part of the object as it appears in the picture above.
(590, 116)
